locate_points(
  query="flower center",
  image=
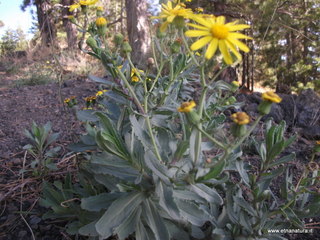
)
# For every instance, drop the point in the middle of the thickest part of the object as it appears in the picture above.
(219, 31)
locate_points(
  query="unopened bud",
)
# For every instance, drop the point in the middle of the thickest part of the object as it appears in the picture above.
(150, 62)
(91, 42)
(126, 48)
(118, 39)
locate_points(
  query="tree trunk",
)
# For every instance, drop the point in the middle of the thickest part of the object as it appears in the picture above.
(68, 26)
(46, 23)
(138, 30)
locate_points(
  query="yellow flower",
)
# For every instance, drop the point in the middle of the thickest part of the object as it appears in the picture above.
(187, 106)
(318, 142)
(199, 9)
(66, 100)
(134, 78)
(101, 92)
(235, 83)
(170, 13)
(99, 8)
(81, 3)
(271, 97)
(135, 71)
(215, 32)
(101, 22)
(88, 2)
(240, 118)
(73, 7)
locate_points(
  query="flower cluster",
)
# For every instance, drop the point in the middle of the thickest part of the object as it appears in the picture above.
(71, 101)
(90, 101)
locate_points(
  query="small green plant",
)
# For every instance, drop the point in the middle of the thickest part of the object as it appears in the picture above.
(41, 139)
(161, 159)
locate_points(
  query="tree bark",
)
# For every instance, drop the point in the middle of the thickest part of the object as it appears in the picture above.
(138, 30)
(68, 26)
(46, 23)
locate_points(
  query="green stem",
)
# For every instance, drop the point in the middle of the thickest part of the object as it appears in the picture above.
(134, 96)
(212, 139)
(188, 49)
(146, 116)
(200, 112)
(171, 81)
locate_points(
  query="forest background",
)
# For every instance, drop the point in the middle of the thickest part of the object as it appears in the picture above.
(284, 53)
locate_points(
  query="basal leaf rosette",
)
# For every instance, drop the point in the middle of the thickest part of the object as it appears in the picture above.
(267, 99)
(173, 13)
(216, 33)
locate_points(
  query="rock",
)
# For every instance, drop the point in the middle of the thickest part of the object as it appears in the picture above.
(22, 234)
(312, 132)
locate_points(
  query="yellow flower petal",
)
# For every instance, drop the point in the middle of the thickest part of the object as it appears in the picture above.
(220, 20)
(239, 44)
(225, 53)
(200, 43)
(234, 50)
(238, 27)
(239, 36)
(202, 21)
(197, 26)
(212, 48)
(164, 26)
(196, 33)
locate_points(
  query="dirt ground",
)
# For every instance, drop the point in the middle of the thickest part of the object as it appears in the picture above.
(19, 107)
(19, 193)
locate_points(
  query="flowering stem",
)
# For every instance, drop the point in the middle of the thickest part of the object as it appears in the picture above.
(200, 112)
(188, 49)
(215, 141)
(145, 110)
(134, 96)
(171, 80)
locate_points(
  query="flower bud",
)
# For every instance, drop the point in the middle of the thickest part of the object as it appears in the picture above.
(91, 42)
(179, 22)
(264, 107)
(150, 62)
(118, 39)
(193, 117)
(238, 130)
(126, 48)
(176, 45)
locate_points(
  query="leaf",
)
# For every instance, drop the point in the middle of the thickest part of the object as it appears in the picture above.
(119, 210)
(156, 167)
(187, 195)
(165, 194)
(101, 80)
(215, 171)
(192, 213)
(155, 221)
(101, 201)
(86, 115)
(129, 225)
(140, 132)
(117, 97)
(210, 194)
(243, 173)
(181, 149)
(245, 206)
(284, 159)
(89, 230)
(141, 232)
